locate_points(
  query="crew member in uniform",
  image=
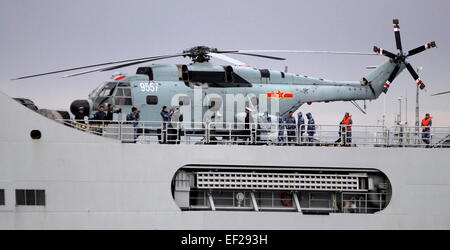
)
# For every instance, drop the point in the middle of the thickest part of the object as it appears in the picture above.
(99, 120)
(79, 117)
(111, 111)
(311, 129)
(166, 117)
(134, 117)
(280, 129)
(291, 127)
(248, 134)
(426, 127)
(100, 115)
(346, 130)
(301, 125)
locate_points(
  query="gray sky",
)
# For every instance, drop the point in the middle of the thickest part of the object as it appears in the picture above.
(45, 35)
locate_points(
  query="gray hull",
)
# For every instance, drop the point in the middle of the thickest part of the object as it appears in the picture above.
(93, 182)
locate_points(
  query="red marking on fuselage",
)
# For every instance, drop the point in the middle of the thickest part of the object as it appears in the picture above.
(119, 78)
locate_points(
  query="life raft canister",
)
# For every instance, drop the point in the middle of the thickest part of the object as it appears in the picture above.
(286, 199)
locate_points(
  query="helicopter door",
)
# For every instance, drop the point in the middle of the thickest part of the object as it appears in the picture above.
(146, 98)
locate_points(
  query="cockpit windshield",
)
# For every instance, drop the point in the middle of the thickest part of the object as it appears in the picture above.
(108, 89)
(117, 93)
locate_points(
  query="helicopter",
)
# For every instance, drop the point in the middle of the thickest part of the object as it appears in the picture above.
(178, 85)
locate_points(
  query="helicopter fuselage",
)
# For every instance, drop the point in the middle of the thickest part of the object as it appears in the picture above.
(204, 90)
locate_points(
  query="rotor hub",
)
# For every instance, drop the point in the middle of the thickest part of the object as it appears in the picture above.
(199, 53)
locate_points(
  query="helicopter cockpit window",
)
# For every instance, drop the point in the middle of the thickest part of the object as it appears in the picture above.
(108, 89)
(123, 94)
(104, 95)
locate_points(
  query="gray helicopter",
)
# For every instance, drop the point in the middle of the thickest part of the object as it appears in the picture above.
(212, 89)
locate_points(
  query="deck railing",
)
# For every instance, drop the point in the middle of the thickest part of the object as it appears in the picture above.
(145, 132)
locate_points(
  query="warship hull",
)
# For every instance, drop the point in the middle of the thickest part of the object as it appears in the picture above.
(93, 182)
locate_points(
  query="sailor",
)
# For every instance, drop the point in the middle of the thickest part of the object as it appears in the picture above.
(134, 118)
(268, 118)
(301, 125)
(426, 127)
(346, 128)
(166, 117)
(176, 119)
(248, 120)
(99, 119)
(100, 115)
(79, 117)
(280, 128)
(291, 126)
(311, 128)
(110, 113)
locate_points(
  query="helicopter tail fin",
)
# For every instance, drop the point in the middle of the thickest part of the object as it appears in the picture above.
(380, 79)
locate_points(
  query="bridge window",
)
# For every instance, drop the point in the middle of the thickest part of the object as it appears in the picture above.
(30, 197)
(2, 197)
(152, 99)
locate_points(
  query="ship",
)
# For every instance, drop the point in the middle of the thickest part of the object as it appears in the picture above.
(62, 175)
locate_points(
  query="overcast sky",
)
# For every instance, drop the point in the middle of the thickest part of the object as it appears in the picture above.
(45, 35)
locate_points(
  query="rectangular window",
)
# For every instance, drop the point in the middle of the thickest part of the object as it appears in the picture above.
(2, 197)
(30, 197)
(184, 100)
(152, 99)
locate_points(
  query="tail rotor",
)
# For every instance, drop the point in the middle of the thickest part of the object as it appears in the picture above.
(401, 57)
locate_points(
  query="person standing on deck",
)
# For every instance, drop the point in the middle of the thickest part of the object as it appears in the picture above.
(291, 126)
(346, 130)
(426, 128)
(311, 129)
(301, 126)
(280, 128)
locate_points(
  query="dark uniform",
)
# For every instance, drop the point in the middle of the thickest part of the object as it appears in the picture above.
(134, 117)
(99, 116)
(166, 117)
(301, 125)
(280, 129)
(291, 126)
(311, 129)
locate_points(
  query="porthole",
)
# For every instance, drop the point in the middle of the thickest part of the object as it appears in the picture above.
(35, 134)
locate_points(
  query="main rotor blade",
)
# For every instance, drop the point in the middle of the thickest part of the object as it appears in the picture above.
(85, 67)
(398, 40)
(307, 52)
(414, 75)
(121, 65)
(390, 79)
(226, 58)
(257, 55)
(422, 48)
(441, 93)
(383, 52)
